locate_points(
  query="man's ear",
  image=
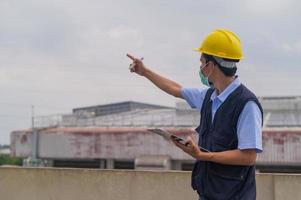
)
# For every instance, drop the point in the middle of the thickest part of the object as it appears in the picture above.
(211, 63)
(214, 66)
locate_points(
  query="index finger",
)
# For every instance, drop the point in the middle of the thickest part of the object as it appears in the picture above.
(131, 57)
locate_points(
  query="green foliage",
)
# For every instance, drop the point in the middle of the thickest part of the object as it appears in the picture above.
(7, 160)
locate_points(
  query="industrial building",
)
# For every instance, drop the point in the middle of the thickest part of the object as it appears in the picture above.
(116, 136)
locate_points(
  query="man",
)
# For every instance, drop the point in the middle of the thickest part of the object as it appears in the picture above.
(230, 125)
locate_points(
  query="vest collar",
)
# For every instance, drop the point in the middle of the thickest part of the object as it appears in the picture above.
(229, 89)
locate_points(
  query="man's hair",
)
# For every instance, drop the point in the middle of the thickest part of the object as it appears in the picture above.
(226, 71)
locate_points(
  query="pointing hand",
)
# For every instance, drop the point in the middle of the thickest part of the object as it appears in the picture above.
(137, 66)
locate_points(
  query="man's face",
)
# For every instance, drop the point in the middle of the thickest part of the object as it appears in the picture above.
(203, 61)
(204, 65)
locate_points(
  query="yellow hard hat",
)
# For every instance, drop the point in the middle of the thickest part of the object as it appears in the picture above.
(222, 43)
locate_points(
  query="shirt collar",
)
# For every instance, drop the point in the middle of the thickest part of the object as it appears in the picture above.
(229, 89)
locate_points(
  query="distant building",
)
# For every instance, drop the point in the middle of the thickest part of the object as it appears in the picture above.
(115, 135)
(282, 111)
(115, 108)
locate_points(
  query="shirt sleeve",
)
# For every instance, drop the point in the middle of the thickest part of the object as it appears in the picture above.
(194, 96)
(249, 128)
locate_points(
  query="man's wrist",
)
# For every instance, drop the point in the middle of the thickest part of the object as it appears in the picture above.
(147, 73)
(205, 156)
(200, 156)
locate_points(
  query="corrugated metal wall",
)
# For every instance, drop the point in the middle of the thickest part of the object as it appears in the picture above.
(91, 143)
(281, 146)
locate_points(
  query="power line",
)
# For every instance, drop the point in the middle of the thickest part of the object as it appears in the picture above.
(36, 105)
(68, 68)
(14, 116)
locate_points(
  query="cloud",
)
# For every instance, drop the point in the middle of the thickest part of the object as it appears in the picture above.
(122, 31)
(268, 8)
(292, 48)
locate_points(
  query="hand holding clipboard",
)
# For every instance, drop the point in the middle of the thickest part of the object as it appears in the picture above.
(168, 136)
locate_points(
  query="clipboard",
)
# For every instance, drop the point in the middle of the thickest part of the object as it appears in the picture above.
(165, 134)
(168, 136)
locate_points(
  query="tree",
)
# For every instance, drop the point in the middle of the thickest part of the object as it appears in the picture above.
(8, 160)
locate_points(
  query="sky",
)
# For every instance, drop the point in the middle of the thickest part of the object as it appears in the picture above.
(57, 55)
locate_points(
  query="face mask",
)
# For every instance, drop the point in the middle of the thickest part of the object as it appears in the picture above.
(204, 79)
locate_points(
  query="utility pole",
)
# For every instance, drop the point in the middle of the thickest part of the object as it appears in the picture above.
(33, 160)
(34, 150)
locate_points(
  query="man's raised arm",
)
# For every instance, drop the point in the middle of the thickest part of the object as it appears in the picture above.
(161, 82)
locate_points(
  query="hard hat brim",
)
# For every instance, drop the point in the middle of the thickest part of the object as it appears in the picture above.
(209, 53)
(197, 49)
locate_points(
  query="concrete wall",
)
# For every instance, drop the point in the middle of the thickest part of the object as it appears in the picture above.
(79, 184)
(74, 184)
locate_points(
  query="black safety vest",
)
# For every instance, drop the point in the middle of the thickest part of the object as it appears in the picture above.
(217, 181)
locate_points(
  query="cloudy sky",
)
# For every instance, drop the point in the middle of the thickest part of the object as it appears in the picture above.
(61, 54)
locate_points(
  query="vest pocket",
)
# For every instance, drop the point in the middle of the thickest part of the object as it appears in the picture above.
(224, 181)
(219, 144)
(228, 171)
(222, 143)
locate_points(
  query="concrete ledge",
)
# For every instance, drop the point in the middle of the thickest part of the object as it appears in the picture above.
(79, 184)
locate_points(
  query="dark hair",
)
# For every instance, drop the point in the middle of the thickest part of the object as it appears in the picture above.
(226, 71)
